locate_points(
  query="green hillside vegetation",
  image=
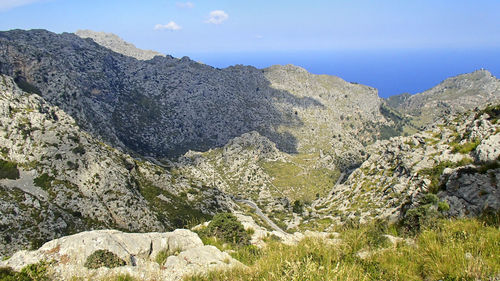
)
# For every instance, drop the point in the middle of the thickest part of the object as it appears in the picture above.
(464, 249)
(299, 179)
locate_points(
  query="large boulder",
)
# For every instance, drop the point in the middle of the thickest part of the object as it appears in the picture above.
(186, 254)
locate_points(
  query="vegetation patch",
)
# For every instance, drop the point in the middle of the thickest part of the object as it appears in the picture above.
(225, 226)
(466, 147)
(455, 250)
(430, 209)
(103, 258)
(32, 272)
(435, 172)
(79, 150)
(493, 111)
(44, 181)
(298, 179)
(177, 211)
(8, 170)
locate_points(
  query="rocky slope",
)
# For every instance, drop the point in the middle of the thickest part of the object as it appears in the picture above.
(166, 106)
(456, 94)
(116, 44)
(91, 138)
(56, 179)
(458, 158)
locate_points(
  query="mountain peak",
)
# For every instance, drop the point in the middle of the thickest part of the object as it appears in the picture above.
(117, 44)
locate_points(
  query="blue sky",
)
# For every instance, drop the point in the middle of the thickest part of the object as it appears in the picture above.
(271, 25)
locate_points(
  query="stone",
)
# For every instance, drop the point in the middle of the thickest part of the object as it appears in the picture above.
(139, 250)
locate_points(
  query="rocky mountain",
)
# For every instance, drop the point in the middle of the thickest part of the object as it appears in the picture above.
(457, 158)
(456, 94)
(56, 179)
(166, 106)
(93, 137)
(116, 44)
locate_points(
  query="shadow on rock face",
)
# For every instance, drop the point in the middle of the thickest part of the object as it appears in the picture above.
(161, 107)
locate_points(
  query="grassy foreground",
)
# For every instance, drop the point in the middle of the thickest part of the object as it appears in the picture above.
(466, 249)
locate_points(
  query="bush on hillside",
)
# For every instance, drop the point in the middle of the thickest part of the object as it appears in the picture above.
(8, 170)
(430, 209)
(226, 227)
(102, 258)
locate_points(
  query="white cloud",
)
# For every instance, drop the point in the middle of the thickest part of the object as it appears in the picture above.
(169, 26)
(217, 17)
(185, 5)
(9, 4)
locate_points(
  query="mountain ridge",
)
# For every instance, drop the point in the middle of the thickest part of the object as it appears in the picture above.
(173, 142)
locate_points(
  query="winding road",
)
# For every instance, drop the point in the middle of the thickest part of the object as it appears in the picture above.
(259, 212)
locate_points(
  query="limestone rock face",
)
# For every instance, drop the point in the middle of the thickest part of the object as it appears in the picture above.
(165, 107)
(188, 255)
(457, 158)
(489, 149)
(455, 94)
(69, 181)
(470, 193)
(115, 43)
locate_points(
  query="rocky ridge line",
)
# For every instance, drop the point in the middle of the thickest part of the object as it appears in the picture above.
(115, 43)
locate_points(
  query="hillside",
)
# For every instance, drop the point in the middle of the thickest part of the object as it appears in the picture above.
(96, 134)
(455, 94)
(456, 158)
(56, 180)
(166, 106)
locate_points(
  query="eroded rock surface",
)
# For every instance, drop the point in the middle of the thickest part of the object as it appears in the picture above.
(187, 255)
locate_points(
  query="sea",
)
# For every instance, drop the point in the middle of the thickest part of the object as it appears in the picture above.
(392, 72)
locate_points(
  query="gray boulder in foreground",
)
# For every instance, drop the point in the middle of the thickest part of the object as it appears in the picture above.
(187, 253)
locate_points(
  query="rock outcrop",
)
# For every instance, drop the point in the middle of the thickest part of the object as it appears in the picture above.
(115, 43)
(184, 253)
(456, 158)
(456, 94)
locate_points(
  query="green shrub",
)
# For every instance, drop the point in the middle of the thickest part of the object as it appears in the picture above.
(37, 271)
(443, 206)
(226, 226)
(8, 170)
(102, 258)
(429, 198)
(425, 215)
(32, 272)
(298, 207)
(7, 274)
(79, 150)
(466, 147)
(44, 181)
